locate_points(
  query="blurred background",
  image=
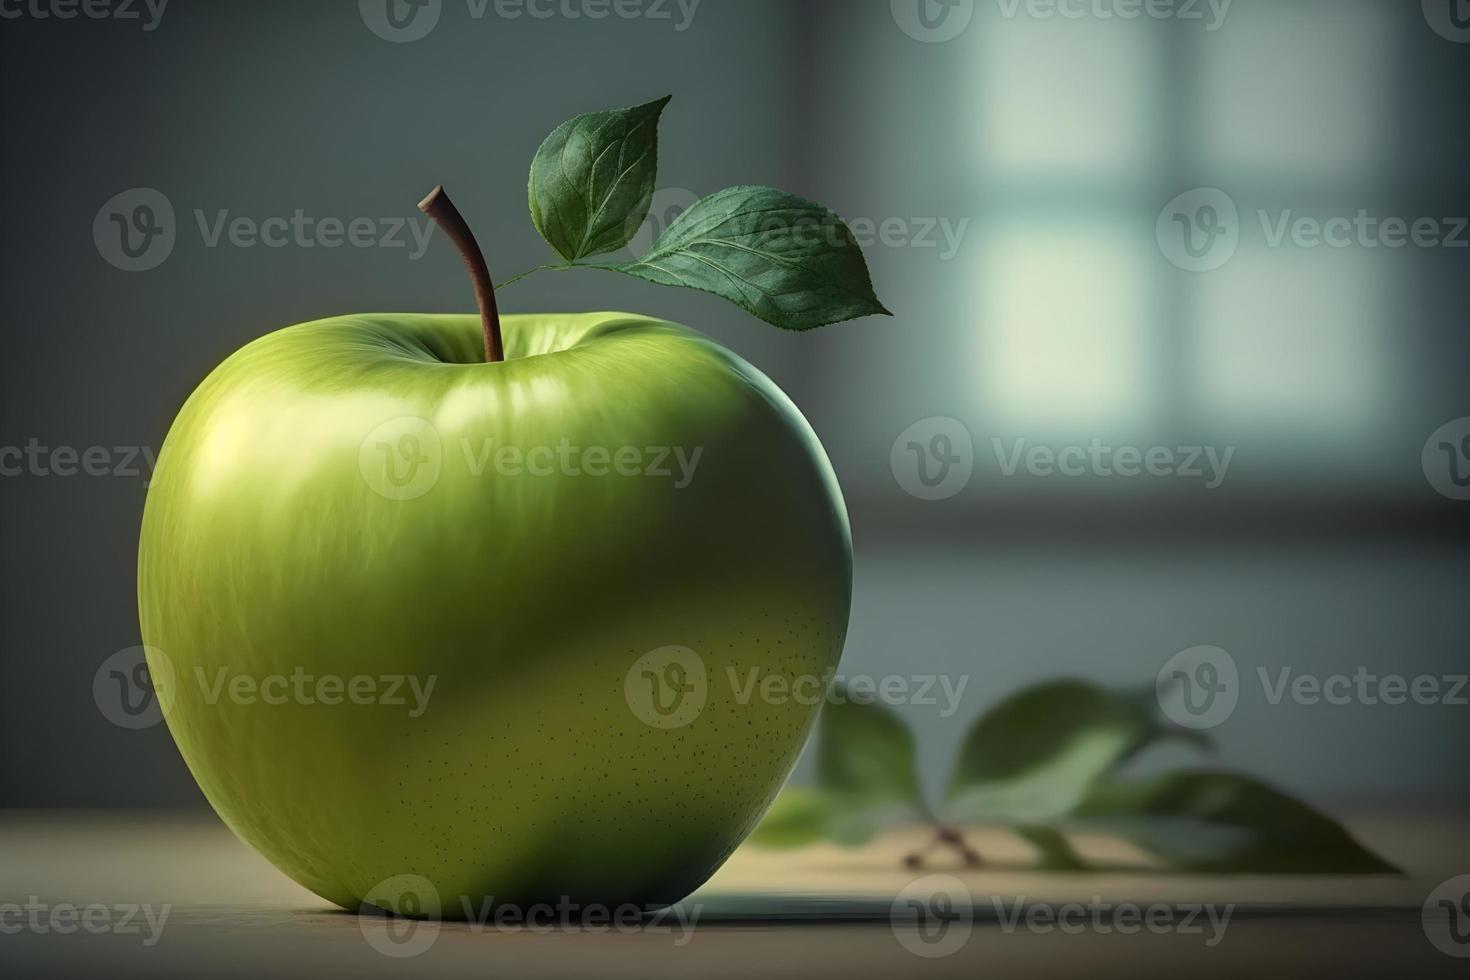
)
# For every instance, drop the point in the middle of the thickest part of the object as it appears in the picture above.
(1090, 228)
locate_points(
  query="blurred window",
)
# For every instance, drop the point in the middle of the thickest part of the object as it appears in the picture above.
(1087, 126)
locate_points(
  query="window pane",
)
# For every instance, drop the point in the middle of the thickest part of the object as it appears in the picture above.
(1066, 342)
(1293, 342)
(1295, 88)
(1066, 96)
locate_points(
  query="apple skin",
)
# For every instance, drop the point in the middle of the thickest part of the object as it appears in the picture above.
(271, 546)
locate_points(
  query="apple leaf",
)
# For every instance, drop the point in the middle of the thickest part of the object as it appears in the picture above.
(803, 815)
(866, 781)
(1035, 756)
(790, 262)
(865, 756)
(851, 825)
(592, 179)
(799, 817)
(1053, 851)
(1222, 822)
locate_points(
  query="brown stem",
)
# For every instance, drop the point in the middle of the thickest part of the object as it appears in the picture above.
(956, 840)
(439, 207)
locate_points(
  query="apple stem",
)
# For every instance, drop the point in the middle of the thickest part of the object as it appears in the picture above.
(439, 207)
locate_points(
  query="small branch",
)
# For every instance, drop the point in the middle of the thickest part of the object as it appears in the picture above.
(439, 207)
(948, 837)
(956, 840)
(530, 272)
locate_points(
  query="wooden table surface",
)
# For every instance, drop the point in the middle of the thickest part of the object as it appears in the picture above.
(219, 910)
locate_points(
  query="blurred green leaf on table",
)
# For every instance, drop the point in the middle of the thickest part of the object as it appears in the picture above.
(1046, 763)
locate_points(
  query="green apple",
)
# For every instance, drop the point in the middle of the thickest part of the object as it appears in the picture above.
(492, 624)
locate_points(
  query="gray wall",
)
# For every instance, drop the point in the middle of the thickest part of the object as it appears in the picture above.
(1326, 550)
(260, 109)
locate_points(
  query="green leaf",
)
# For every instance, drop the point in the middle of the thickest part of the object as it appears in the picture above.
(865, 756)
(1054, 852)
(1226, 823)
(1034, 756)
(788, 261)
(797, 818)
(866, 781)
(804, 815)
(592, 180)
(852, 827)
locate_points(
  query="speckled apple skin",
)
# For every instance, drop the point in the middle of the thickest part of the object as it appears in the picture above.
(270, 547)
